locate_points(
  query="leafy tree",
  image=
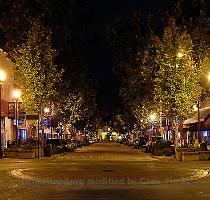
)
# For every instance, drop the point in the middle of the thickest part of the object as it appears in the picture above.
(178, 79)
(192, 16)
(139, 92)
(134, 59)
(72, 28)
(76, 108)
(35, 71)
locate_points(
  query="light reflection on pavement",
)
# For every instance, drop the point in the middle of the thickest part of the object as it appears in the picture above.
(104, 171)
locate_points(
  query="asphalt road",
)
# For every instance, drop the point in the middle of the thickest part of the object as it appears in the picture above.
(104, 171)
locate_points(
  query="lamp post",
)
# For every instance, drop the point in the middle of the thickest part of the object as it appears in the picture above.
(16, 95)
(152, 118)
(199, 123)
(2, 78)
(176, 120)
(47, 110)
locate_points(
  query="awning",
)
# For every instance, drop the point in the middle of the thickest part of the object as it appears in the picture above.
(204, 113)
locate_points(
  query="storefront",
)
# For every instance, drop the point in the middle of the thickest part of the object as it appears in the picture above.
(198, 128)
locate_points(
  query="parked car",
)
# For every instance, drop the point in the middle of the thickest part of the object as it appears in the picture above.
(151, 141)
(79, 143)
(62, 144)
(140, 142)
(68, 145)
(53, 142)
(163, 148)
(56, 145)
(121, 140)
(162, 143)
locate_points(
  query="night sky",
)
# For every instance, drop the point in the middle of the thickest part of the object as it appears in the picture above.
(100, 59)
(101, 14)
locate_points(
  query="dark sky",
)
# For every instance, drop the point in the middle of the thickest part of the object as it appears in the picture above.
(100, 62)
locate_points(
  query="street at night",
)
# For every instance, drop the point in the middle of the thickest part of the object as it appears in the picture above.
(105, 99)
(104, 170)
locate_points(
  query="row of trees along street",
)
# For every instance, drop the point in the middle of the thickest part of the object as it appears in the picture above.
(50, 67)
(161, 65)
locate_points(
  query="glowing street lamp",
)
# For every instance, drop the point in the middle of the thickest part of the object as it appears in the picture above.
(152, 117)
(46, 110)
(180, 55)
(2, 78)
(16, 95)
(208, 76)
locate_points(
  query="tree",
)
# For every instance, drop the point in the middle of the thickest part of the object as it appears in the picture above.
(35, 72)
(135, 64)
(178, 79)
(139, 91)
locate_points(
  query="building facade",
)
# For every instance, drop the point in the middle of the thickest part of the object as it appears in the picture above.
(7, 125)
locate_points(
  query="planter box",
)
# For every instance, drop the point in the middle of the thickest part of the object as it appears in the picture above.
(204, 155)
(179, 152)
(11, 153)
(190, 156)
(26, 154)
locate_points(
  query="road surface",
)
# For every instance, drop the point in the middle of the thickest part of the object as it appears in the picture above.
(102, 171)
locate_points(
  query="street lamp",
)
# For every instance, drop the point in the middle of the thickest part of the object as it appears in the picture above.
(47, 110)
(208, 76)
(2, 78)
(16, 95)
(152, 118)
(180, 55)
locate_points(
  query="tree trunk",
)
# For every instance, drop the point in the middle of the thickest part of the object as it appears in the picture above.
(176, 129)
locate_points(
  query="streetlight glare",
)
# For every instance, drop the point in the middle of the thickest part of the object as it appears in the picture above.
(2, 75)
(153, 116)
(46, 110)
(180, 54)
(195, 108)
(16, 94)
(208, 76)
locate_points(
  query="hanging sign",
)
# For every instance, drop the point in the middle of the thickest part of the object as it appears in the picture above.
(11, 110)
(21, 110)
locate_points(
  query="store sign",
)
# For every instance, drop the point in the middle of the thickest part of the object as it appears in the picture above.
(11, 110)
(21, 110)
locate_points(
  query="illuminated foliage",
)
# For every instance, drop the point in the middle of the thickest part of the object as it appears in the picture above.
(178, 79)
(35, 71)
